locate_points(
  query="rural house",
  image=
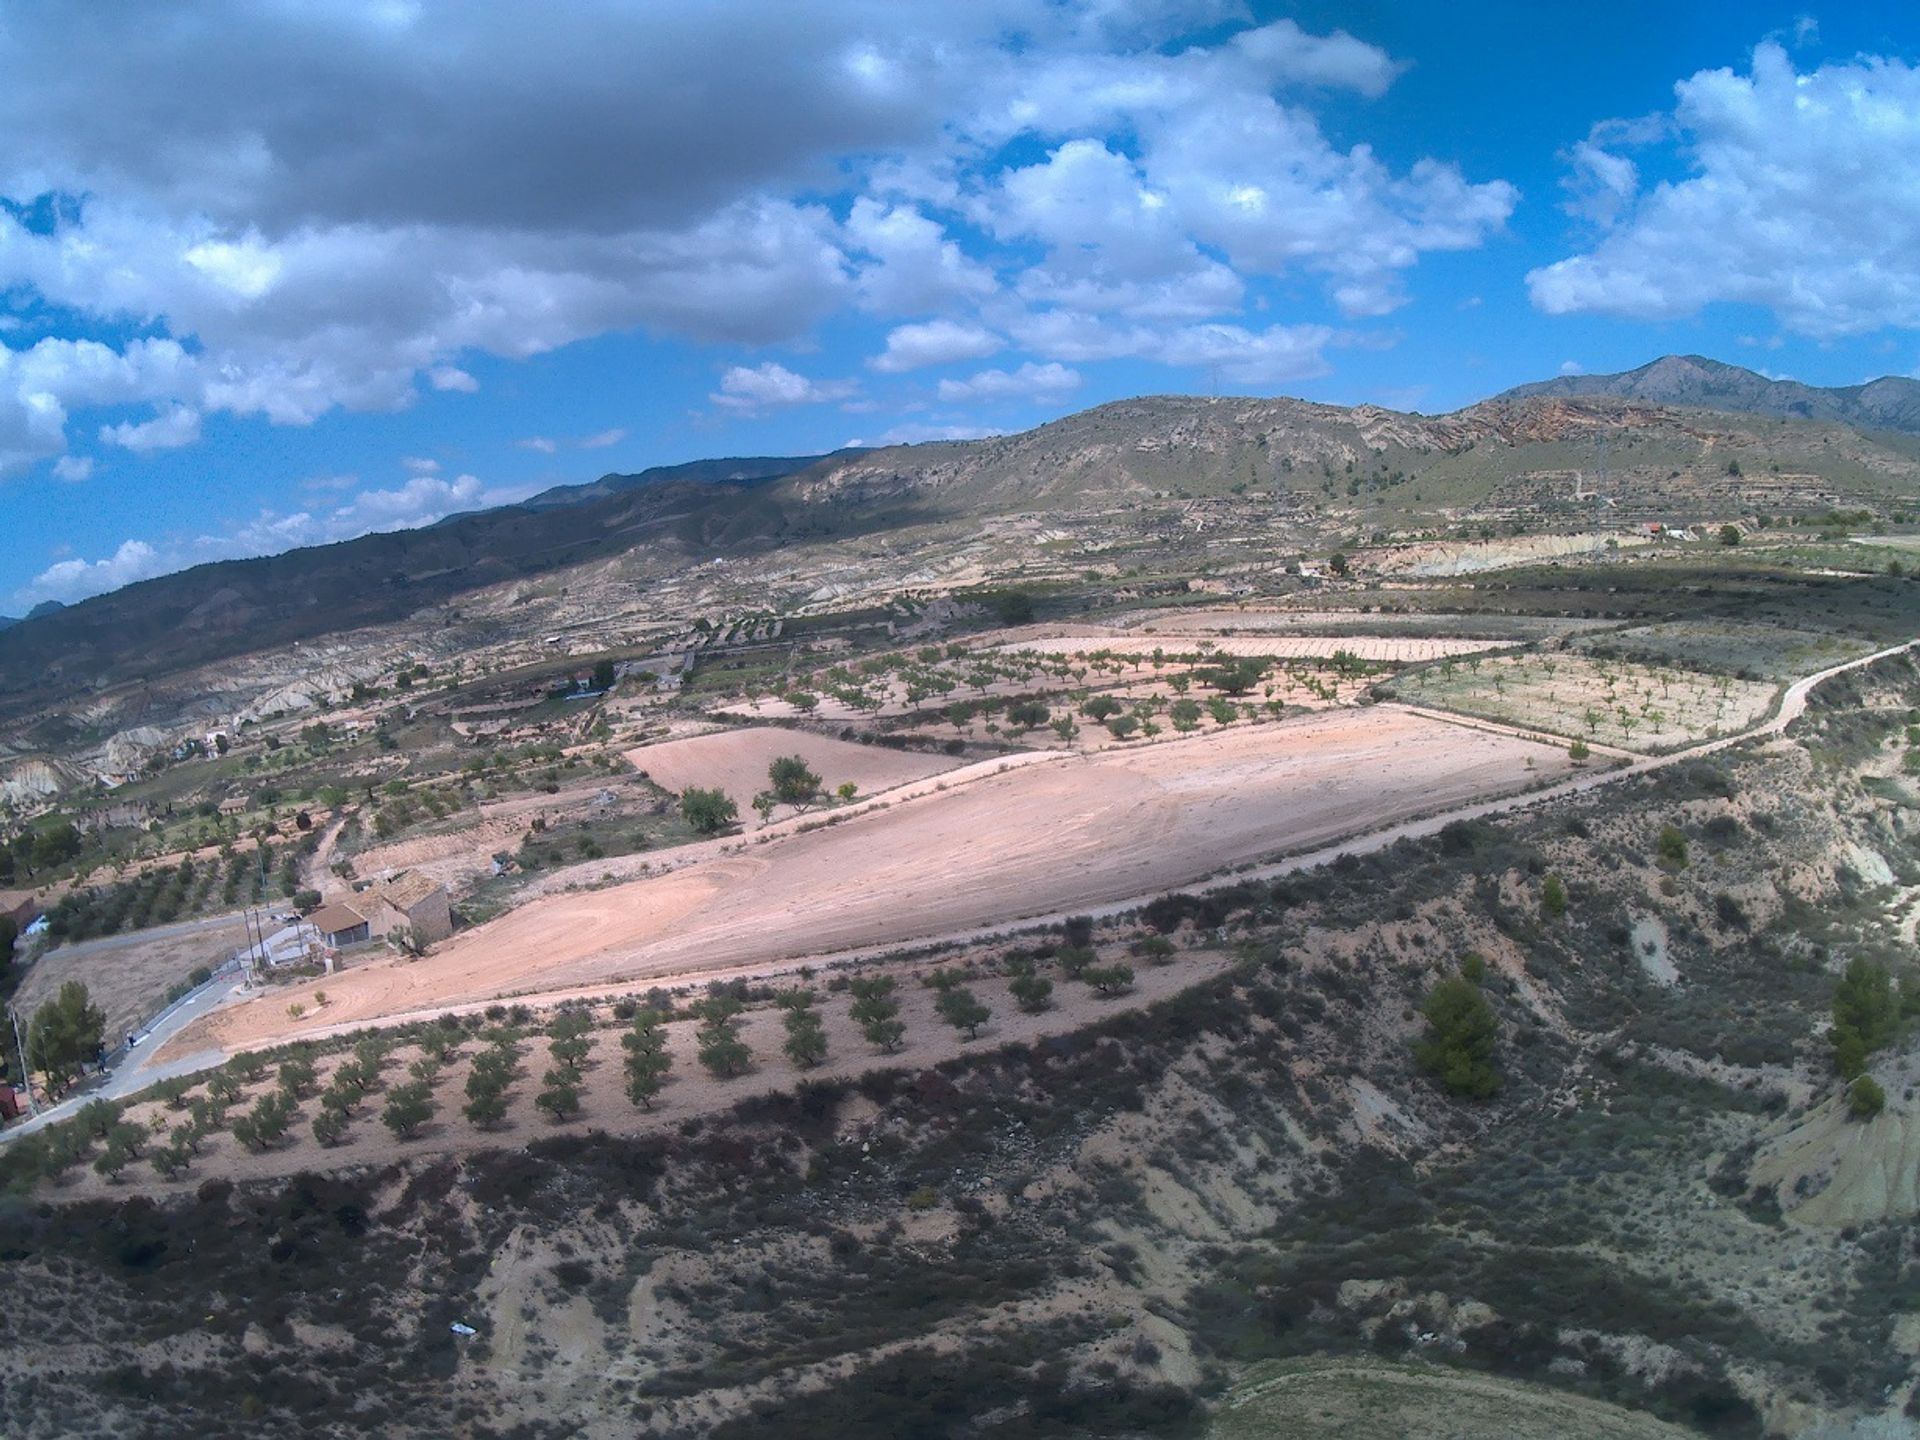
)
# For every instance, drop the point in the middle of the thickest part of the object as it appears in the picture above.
(410, 899)
(340, 925)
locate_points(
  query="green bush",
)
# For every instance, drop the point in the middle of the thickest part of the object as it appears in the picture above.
(1865, 1098)
(1866, 1015)
(1458, 1046)
(1671, 849)
(707, 811)
(1032, 993)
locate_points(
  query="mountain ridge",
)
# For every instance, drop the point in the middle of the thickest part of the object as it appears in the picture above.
(727, 468)
(1324, 473)
(1891, 402)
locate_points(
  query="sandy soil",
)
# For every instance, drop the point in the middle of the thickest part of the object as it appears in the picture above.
(736, 761)
(1037, 839)
(690, 1089)
(128, 976)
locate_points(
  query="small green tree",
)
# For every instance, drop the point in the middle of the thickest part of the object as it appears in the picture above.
(963, 1010)
(722, 1050)
(170, 1160)
(117, 1155)
(408, 1107)
(329, 1127)
(707, 811)
(561, 1096)
(1032, 993)
(792, 782)
(1866, 1015)
(1730, 534)
(1156, 949)
(647, 1061)
(65, 1035)
(1074, 959)
(62, 1148)
(262, 1127)
(875, 1010)
(485, 1108)
(1553, 897)
(296, 1076)
(806, 1042)
(1109, 979)
(1458, 1046)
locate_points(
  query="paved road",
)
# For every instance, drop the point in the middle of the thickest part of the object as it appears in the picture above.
(136, 1070)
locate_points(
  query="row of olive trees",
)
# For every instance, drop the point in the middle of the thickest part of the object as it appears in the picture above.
(360, 1081)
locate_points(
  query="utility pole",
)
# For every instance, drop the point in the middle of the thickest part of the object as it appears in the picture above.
(26, 1071)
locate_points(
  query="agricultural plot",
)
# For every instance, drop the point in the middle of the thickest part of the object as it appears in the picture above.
(382, 1097)
(736, 761)
(1375, 649)
(1728, 647)
(1040, 838)
(1503, 629)
(1616, 702)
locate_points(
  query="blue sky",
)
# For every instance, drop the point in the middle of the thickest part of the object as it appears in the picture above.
(275, 275)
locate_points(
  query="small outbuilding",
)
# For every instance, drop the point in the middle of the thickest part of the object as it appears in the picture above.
(340, 925)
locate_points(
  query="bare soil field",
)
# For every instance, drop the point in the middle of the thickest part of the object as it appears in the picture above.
(1035, 840)
(128, 976)
(1637, 707)
(1379, 649)
(690, 1089)
(736, 761)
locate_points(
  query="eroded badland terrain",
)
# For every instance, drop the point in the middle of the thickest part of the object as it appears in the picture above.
(1213, 917)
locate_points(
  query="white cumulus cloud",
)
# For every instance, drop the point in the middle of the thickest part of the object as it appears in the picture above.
(935, 342)
(1802, 198)
(1039, 383)
(172, 428)
(770, 386)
